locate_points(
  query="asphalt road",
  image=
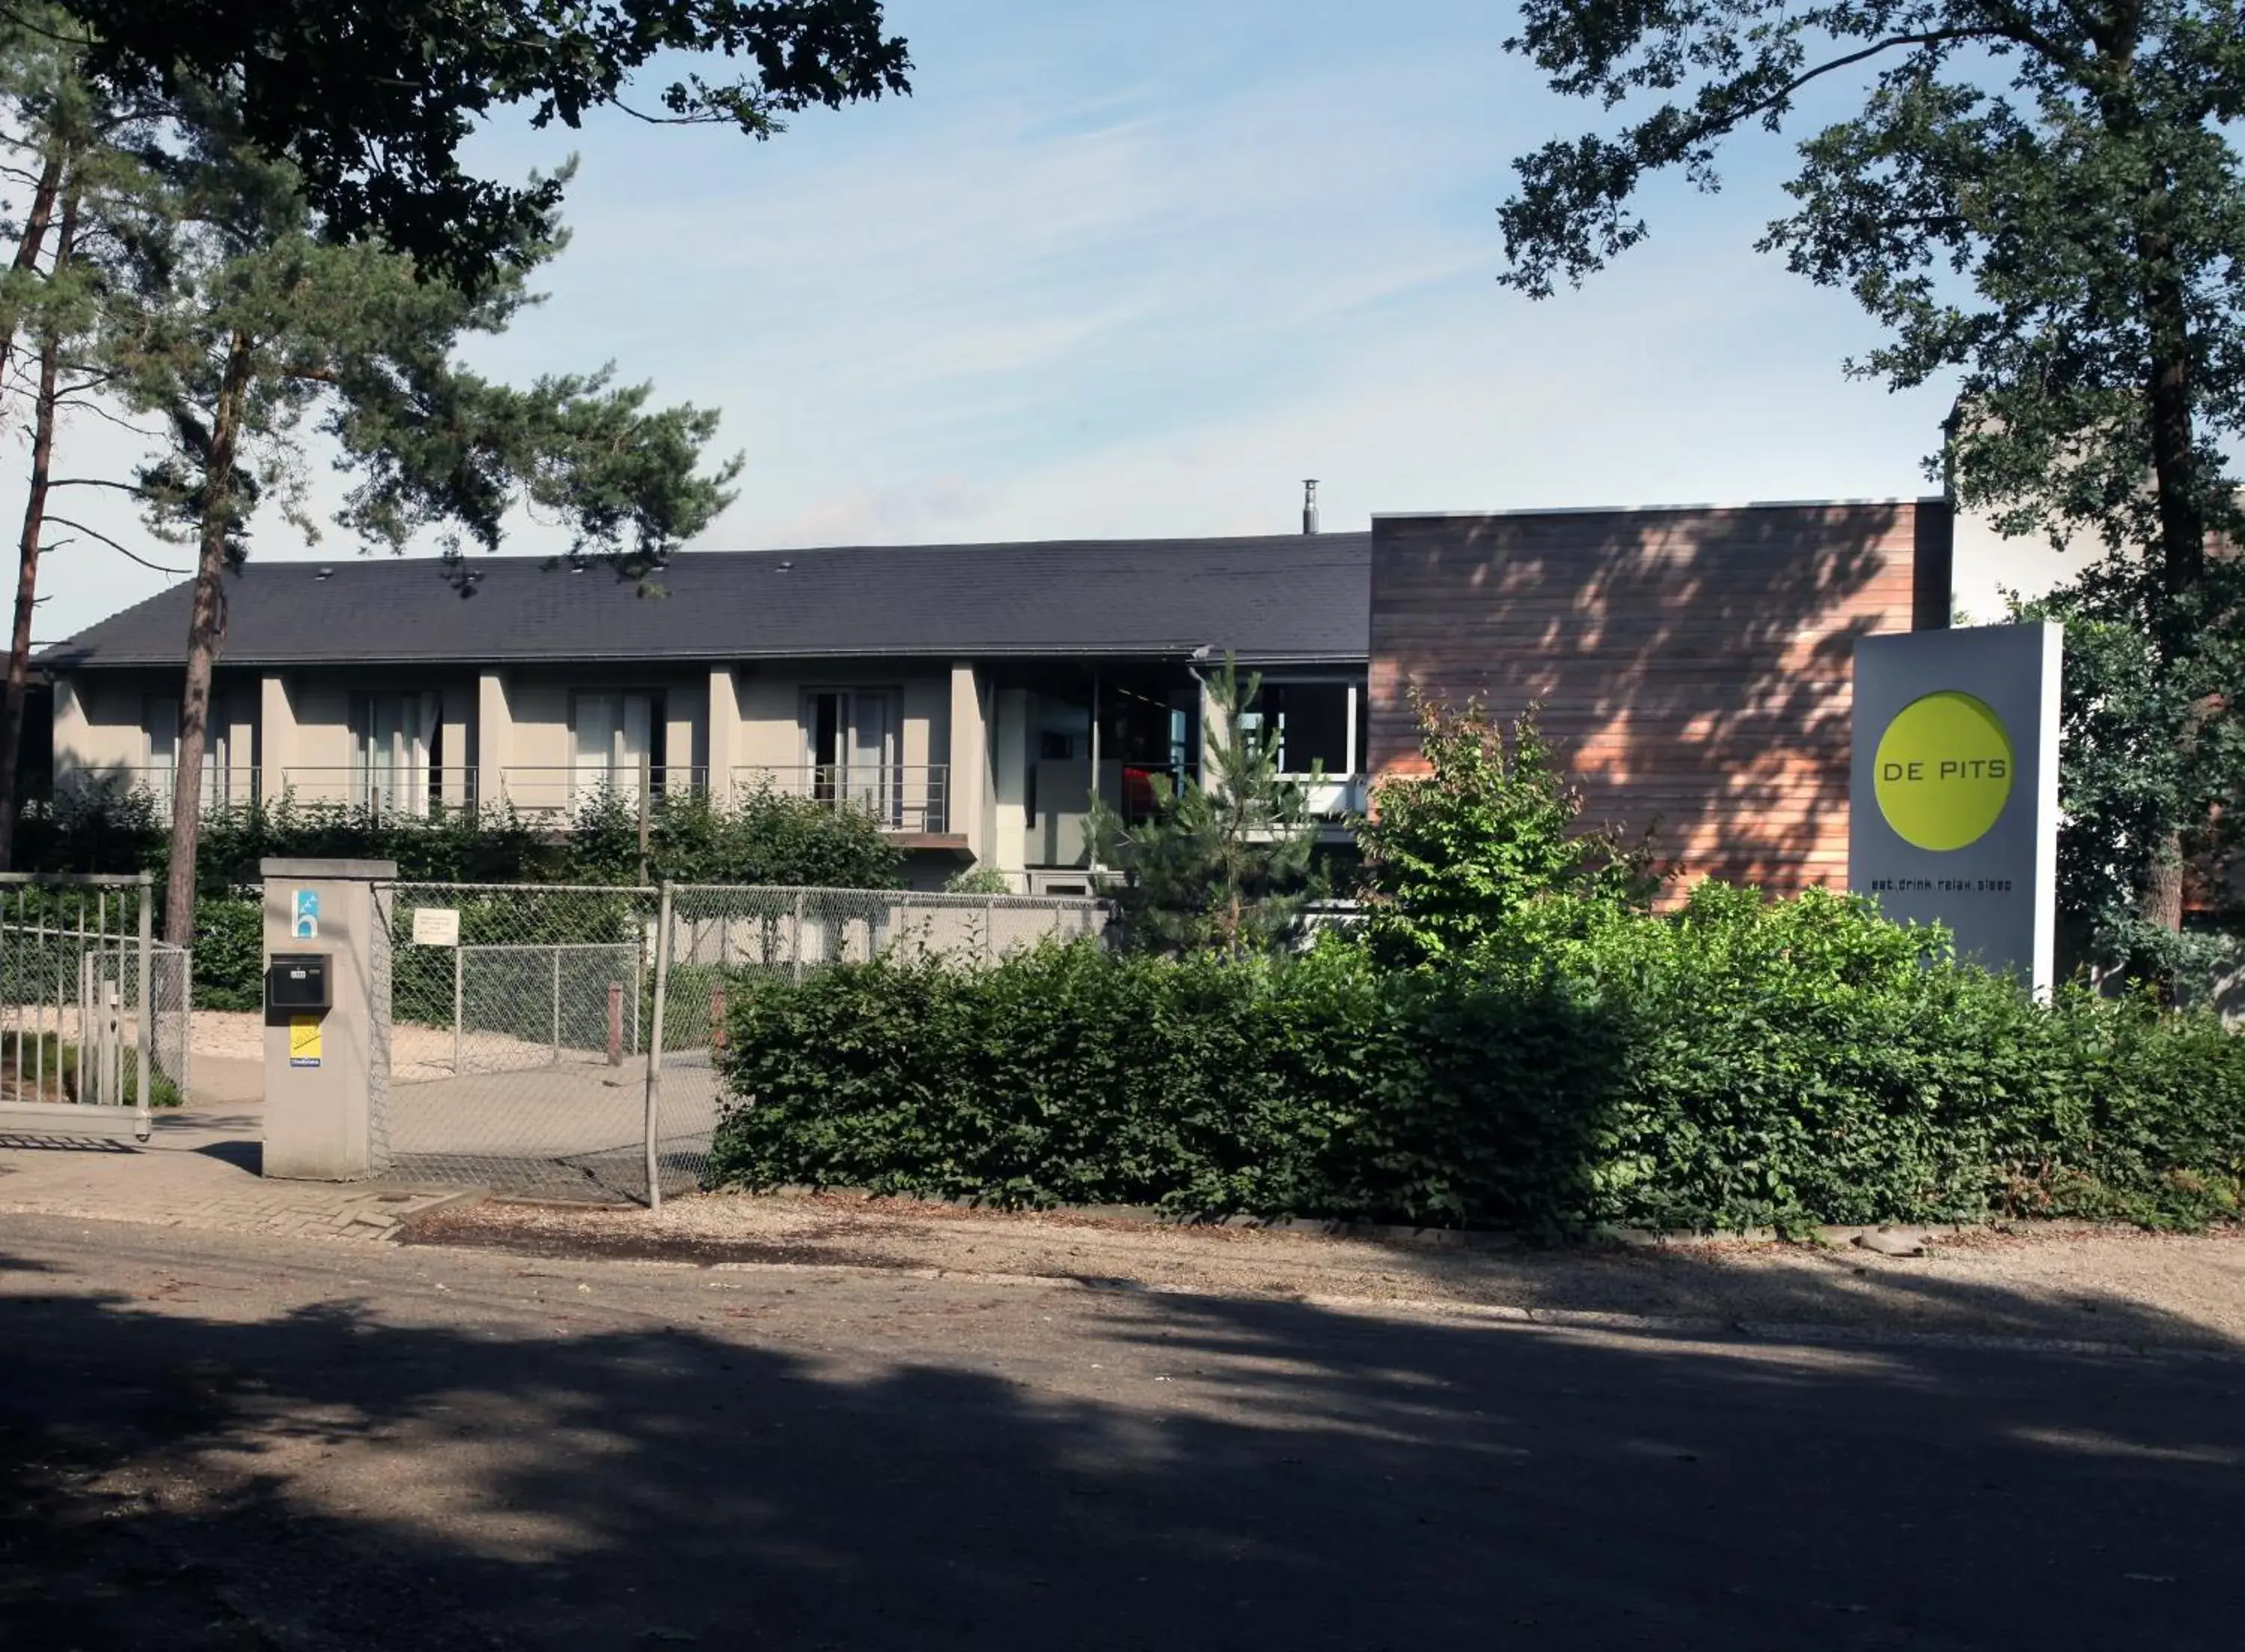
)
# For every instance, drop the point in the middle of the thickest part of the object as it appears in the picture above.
(214, 1441)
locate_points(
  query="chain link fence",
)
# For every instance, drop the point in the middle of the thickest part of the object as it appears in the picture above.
(517, 1033)
(567, 1042)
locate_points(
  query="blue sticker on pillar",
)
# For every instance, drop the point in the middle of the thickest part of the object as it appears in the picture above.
(306, 927)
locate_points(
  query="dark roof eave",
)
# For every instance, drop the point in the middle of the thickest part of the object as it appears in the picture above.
(1171, 651)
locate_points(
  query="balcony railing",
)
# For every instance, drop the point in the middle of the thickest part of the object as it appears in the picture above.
(397, 792)
(232, 788)
(904, 797)
(1333, 797)
(563, 789)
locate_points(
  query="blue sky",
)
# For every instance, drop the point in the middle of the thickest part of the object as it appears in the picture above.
(1138, 271)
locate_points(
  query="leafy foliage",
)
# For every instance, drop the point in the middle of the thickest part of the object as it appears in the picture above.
(229, 953)
(2040, 200)
(1450, 854)
(1226, 866)
(1735, 1064)
(372, 101)
(2141, 751)
(766, 838)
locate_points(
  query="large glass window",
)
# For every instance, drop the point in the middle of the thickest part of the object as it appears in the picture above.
(853, 735)
(613, 735)
(163, 759)
(394, 745)
(1320, 726)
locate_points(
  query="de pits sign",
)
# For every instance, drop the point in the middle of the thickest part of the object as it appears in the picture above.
(1953, 804)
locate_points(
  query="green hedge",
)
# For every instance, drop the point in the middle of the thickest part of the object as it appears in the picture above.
(1738, 1064)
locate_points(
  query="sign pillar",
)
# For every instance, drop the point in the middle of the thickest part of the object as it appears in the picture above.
(1953, 805)
(322, 1051)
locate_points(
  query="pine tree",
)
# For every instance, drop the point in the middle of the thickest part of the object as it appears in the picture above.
(1224, 865)
(258, 331)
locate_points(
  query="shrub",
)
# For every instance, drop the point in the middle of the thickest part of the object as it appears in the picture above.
(1736, 1064)
(763, 839)
(1451, 854)
(229, 953)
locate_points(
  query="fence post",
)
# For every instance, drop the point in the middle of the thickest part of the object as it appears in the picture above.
(89, 1064)
(797, 967)
(654, 1049)
(142, 1124)
(187, 1021)
(615, 1024)
(113, 1038)
(990, 932)
(557, 1004)
(459, 969)
(718, 1018)
(646, 805)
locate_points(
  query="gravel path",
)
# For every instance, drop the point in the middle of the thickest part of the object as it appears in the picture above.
(2050, 1284)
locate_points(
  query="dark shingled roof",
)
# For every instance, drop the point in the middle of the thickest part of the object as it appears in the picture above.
(1290, 597)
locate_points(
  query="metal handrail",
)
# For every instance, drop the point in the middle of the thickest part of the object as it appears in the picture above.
(396, 790)
(906, 797)
(571, 785)
(237, 783)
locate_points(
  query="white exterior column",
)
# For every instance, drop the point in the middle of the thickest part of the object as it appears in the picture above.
(72, 733)
(277, 738)
(494, 739)
(724, 735)
(1215, 727)
(1009, 784)
(967, 776)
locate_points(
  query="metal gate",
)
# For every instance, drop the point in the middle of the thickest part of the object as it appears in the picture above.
(79, 991)
(516, 1035)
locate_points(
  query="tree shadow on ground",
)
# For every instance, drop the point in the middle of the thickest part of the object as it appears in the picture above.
(807, 1459)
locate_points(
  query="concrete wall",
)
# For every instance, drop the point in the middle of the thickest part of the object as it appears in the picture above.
(1695, 666)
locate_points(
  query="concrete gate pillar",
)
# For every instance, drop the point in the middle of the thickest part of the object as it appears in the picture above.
(326, 1036)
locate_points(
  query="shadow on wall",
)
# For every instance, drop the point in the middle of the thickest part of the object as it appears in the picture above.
(673, 1456)
(1695, 666)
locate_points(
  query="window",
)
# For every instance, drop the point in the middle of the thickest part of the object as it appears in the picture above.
(852, 735)
(163, 753)
(1319, 726)
(395, 741)
(613, 735)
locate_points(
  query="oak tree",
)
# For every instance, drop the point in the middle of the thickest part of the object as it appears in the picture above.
(2039, 200)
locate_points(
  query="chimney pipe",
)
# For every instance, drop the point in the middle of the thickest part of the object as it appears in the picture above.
(1310, 504)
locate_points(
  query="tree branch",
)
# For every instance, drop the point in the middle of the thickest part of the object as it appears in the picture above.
(96, 533)
(1718, 126)
(98, 482)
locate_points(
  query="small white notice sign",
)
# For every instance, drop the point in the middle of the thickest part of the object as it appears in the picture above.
(436, 926)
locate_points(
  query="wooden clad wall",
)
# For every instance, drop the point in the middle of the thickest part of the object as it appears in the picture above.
(1693, 666)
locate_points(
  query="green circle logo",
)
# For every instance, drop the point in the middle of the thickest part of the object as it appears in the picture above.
(1944, 771)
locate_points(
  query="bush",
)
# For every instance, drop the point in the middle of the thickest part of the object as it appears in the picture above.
(763, 839)
(1734, 1065)
(1450, 854)
(229, 953)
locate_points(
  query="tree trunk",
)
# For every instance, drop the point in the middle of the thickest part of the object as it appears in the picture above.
(28, 250)
(2162, 902)
(2182, 519)
(206, 635)
(27, 558)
